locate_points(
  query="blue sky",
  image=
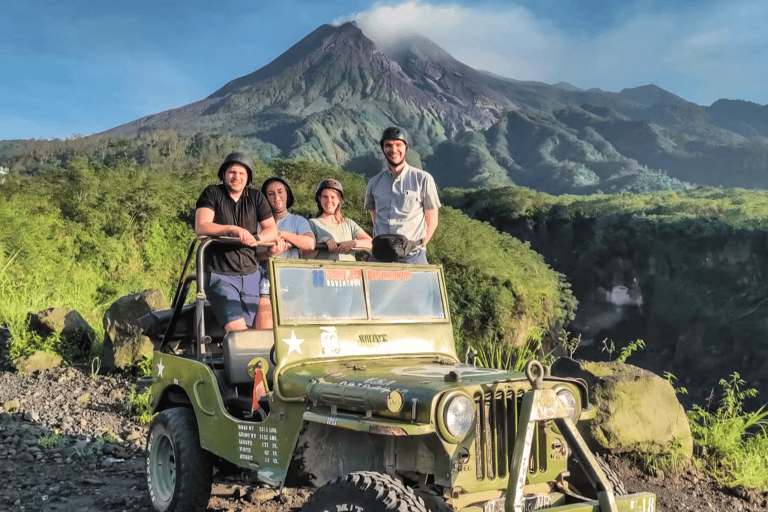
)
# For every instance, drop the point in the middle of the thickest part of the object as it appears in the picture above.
(83, 66)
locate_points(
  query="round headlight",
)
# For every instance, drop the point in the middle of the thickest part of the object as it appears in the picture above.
(458, 416)
(569, 402)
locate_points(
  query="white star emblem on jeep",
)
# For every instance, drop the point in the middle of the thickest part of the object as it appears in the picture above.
(294, 344)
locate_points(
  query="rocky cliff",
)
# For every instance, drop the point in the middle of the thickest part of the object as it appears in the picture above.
(695, 292)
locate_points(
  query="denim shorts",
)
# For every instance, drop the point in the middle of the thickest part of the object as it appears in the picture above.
(234, 296)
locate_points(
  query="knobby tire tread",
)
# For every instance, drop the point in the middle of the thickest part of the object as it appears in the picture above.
(368, 490)
(194, 473)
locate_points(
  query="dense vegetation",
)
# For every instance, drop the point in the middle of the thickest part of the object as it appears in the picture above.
(696, 255)
(700, 206)
(160, 150)
(668, 235)
(83, 235)
(86, 223)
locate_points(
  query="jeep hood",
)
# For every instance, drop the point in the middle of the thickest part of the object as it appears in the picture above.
(417, 379)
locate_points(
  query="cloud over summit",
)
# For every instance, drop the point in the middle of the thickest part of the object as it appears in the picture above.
(700, 52)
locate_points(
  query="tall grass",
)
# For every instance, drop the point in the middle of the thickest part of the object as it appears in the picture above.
(505, 357)
(733, 442)
(50, 259)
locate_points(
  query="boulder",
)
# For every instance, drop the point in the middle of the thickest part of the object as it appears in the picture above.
(124, 343)
(636, 410)
(11, 406)
(68, 324)
(35, 362)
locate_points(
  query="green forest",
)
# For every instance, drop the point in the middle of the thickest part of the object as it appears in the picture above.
(87, 221)
(83, 234)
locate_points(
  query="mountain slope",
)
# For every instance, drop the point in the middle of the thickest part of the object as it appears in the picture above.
(328, 97)
(743, 117)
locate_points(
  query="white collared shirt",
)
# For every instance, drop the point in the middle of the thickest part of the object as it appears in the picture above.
(400, 201)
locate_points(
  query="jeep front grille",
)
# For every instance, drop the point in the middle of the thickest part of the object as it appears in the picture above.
(497, 416)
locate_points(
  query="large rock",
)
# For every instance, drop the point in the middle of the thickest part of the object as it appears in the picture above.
(124, 343)
(637, 411)
(36, 362)
(67, 323)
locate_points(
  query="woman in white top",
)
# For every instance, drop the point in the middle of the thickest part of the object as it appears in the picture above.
(341, 234)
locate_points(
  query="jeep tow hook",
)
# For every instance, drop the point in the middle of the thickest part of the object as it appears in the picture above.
(536, 380)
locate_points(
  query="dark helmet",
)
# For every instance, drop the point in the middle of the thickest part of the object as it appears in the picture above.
(394, 133)
(237, 158)
(328, 183)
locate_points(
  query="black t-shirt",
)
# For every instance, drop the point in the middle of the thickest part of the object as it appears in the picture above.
(246, 212)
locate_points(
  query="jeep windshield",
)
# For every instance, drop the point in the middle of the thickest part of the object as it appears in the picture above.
(358, 294)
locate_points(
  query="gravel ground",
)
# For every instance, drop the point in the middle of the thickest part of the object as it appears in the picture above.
(99, 463)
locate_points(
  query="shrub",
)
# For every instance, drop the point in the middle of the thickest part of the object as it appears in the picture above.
(733, 442)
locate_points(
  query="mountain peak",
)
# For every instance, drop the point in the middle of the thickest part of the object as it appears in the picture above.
(346, 42)
(416, 46)
(651, 95)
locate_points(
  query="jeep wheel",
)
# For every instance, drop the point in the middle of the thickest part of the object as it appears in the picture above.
(579, 480)
(612, 476)
(433, 503)
(179, 472)
(364, 491)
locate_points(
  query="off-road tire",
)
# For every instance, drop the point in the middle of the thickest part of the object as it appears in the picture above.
(433, 503)
(612, 476)
(364, 491)
(179, 471)
(581, 484)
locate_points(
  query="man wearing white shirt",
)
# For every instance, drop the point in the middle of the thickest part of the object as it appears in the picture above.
(402, 199)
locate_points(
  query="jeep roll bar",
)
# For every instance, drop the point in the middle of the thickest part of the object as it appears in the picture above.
(185, 280)
(182, 289)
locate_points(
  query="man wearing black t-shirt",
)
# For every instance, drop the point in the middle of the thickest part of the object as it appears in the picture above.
(233, 208)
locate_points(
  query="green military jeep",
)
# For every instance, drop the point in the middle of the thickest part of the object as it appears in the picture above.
(364, 397)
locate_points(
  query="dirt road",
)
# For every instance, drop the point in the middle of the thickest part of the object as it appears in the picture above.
(66, 444)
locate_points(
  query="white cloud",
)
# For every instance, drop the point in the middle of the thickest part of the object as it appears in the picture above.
(701, 53)
(513, 42)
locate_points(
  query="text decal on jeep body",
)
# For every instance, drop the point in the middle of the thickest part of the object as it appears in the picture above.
(254, 440)
(374, 384)
(372, 339)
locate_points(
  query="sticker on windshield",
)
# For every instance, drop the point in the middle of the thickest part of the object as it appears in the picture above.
(337, 278)
(389, 275)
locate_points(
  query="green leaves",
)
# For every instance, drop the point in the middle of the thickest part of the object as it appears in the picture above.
(735, 441)
(502, 293)
(92, 233)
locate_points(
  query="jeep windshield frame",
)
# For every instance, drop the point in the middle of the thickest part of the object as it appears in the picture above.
(318, 294)
(329, 310)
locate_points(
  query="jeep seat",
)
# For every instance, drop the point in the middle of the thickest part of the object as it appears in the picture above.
(239, 348)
